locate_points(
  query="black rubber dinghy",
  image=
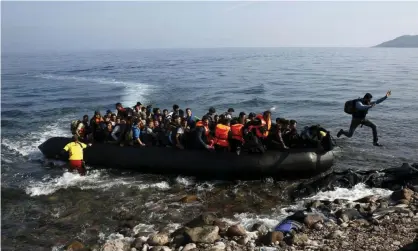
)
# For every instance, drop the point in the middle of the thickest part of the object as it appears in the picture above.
(292, 164)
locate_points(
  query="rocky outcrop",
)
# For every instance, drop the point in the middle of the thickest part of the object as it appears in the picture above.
(370, 223)
(205, 234)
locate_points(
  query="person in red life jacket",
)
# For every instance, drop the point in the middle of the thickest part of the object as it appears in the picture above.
(123, 112)
(202, 139)
(222, 135)
(263, 125)
(237, 136)
(75, 151)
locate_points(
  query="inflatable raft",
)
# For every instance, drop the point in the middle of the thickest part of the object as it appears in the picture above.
(292, 164)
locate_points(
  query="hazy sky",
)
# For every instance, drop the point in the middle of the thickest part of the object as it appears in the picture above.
(30, 26)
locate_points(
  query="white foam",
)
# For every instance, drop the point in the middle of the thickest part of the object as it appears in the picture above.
(278, 214)
(357, 192)
(95, 179)
(143, 228)
(185, 181)
(28, 146)
(132, 91)
(163, 185)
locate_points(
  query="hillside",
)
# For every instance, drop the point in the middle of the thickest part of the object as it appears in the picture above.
(406, 41)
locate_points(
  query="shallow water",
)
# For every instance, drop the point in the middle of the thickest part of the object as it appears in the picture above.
(41, 94)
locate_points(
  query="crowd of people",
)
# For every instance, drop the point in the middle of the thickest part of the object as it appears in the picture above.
(147, 126)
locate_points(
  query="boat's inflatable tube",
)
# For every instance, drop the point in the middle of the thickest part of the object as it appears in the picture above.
(293, 164)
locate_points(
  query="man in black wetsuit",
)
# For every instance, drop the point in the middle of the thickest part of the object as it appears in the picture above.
(362, 107)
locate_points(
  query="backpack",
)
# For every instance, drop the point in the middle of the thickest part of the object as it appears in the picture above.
(350, 106)
(74, 125)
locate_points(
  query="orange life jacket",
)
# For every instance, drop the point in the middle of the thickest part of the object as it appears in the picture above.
(266, 133)
(200, 124)
(264, 124)
(221, 135)
(236, 131)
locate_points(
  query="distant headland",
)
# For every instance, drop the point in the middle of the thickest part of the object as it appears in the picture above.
(406, 41)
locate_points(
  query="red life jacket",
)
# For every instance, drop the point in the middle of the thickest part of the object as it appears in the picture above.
(221, 135)
(236, 131)
(266, 125)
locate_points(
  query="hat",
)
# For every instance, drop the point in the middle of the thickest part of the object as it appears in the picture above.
(251, 115)
(241, 114)
(231, 110)
(138, 104)
(108, 111)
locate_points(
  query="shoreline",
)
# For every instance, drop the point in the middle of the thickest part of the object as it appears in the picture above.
(370, 223)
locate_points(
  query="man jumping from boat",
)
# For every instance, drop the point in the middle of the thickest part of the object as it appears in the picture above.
(360, 109)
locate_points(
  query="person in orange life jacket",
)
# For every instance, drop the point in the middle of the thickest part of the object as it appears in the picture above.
(222, 135)
(123, 112)
(202, 137)
(76, 159)
(262, 129)
(237, 136)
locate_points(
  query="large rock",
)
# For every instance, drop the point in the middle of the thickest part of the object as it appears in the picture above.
(116, 245)
(261, 228)
(222, 226)
(348, 214)
(404, 194)
(314, 204)
(201, 220)
(368, 199)
(297, 216)
(189, 247)
(160, 248)
(189, 198)
(236, 230)
(298, 239)
(159, 239)
(219, 246)
(311, 219)
(272, 237)
(139, 242)
(75, 246)
(205, 234)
